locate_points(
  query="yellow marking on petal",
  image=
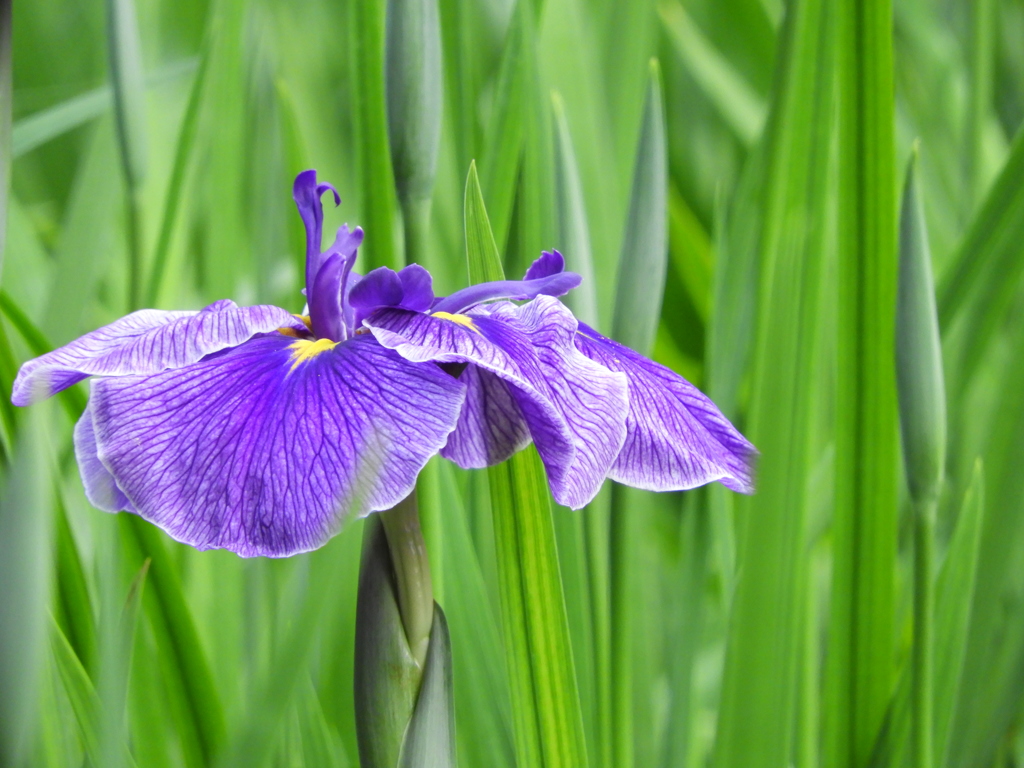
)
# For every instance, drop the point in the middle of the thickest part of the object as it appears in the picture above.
(289, 332)
(305, 350)
(307, 321)
(464, 320)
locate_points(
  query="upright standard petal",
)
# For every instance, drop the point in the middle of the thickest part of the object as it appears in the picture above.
(677, 438)
(306, 193)
(145, 342)
(265, 449)
(574, 408)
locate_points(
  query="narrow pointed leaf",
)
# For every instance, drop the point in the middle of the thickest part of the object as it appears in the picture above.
(644, 253)
(366, 38)
(738, 103)
(643, 262)
(981, 281)
(865, 533)
(176, 183)
(178, 640)
(546, 714)
(760, 687)
(954, 594)
(41, 127)
(6, 92)
(481, 251)
(573, 231)
(277, 688)
(74, 604)
(24, 584)
(481, 685)
(502, 154)
(85, 703)
(126, 74)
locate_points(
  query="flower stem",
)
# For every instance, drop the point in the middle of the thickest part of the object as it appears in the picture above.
(412, 572)
(924, 554)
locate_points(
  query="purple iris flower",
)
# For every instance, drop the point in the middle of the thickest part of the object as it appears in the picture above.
(249, 428)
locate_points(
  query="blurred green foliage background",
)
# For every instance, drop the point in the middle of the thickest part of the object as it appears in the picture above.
(706, 629)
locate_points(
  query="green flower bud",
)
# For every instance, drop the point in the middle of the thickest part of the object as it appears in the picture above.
(922, 393)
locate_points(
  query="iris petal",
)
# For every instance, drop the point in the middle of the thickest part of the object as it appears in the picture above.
(325, 300)
(545, 277)
(251, 453)
(491, 426)
(100, 488)
(145, 342)
(677, 438)
(574, 408)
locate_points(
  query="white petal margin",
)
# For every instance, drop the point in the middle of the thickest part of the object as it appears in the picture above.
(144, 342)
(100, 488)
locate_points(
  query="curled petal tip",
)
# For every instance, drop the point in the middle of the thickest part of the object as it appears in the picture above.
(323, 187)
(547, 264)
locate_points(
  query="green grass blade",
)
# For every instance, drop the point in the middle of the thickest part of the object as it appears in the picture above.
(414, 98)
(176, 183)
(730, 330)
(91, 239)
(991, 685)
(691, 253)
(545, 701)
(761, 680)
(366, 39)
(24, 583)
(502, 153)
(178, 640)
(644, 254)
(983, 58)
(483, 258)
(125, 57)
(861, 660)
(48, 124)
(546, 714)
(535, 220)
(954, 595)
(74, 611)
(573, 232)
(253, 741)
(642, 265)
(8, 411)
(737, 102)
(116, 660)
(6, 92)
(126, 75)
(85, 702)
(319, 747)
(980, 283)
(481, 686)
